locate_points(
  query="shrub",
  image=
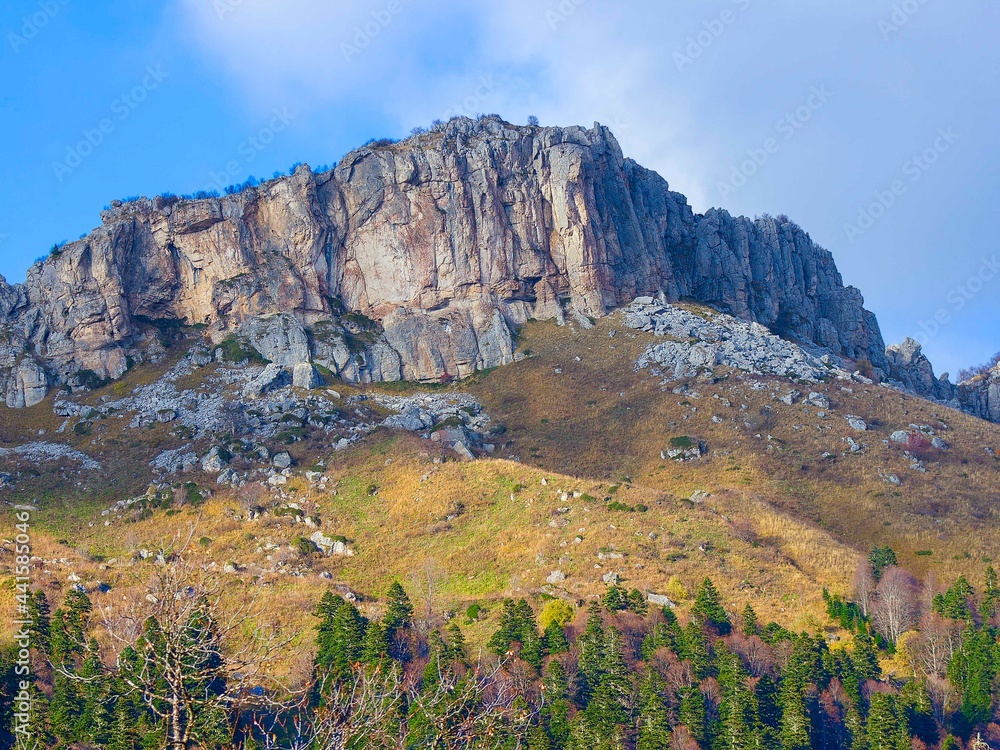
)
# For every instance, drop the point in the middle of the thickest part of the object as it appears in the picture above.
(205, 542)
(683, 442)
(236, 351)
(558, 612)
(303, 546)
(675, 590)
(620, 506)
(473, 613)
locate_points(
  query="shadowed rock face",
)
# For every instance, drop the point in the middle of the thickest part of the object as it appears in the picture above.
(416, 261)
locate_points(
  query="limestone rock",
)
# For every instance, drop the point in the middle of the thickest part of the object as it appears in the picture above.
(418, 261)
(305, 376)
(27, 384)
(214, 461)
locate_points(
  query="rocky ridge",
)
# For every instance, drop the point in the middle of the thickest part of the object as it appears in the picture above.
(415, 260)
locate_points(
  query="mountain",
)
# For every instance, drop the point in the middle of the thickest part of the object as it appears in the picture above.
(416, 261)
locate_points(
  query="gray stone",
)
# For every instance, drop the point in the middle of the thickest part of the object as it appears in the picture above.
(214, 461)
(818, 400)
(305, 376)
(556, 576)
(659, 600)
(611, 577)
(282, 460)
(272, 377)
(330, 546)
(856, 423)
(900, 436)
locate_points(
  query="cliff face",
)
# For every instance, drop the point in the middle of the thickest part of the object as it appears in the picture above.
(415, 260)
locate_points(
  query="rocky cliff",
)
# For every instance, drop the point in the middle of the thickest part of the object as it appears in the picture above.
(414, 260)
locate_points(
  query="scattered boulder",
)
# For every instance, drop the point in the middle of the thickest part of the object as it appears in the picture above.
(556, 576)
(900, 436)
(305, 376)
(215, 460)
(818, 400)
(659, 600)
(611, 578)
(272, 377)
(330, 546)
(282, 460)
(856, 423)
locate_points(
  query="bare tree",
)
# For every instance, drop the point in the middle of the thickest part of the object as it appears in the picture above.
(428, 580)
(940, 638)
(864, 587)
(190, 658)
(895, 609)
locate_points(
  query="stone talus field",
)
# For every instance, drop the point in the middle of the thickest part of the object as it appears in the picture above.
(415, 261)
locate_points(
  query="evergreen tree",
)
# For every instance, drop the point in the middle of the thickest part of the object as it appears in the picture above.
(654, 722)
(694, 649)
(794, 726)
(883, 723)
(972, 670)
(590, 661)
(554, 640)
(751, 625)
(38, 613)
(455, 645)
(399, 610)
(865, 657)
(881, 558)
(376, 644)
(556, 705)
(694, 715)
(708, 607)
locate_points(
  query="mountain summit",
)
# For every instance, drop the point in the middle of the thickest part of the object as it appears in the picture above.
(416, 260)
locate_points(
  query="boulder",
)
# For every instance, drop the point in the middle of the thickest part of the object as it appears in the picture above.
(272, 377)
(556, 576)
(282, 460)
(305, 376)
(330, 546)
(27, 384)
(215, 460)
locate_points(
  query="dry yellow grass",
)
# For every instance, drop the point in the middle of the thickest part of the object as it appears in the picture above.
(781, 522)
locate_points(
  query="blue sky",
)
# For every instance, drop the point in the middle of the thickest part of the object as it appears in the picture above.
(871, 123)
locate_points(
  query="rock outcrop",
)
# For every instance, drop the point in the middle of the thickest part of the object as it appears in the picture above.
(415, 260)
(910, 370)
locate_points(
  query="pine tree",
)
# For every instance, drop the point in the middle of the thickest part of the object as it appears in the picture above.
(399, 610)
(694, 715)
(554, 640)
(590, 662)
(751, 625)
(38, 613)
(865, 658)
(376, 644)
(455, 646)
(708, 607)
(881, 727)
(122, 735)
(654, 723)
(556, 705)
(694, 649)
(794, 725)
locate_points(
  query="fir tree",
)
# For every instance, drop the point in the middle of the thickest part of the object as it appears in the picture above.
(708, 607)
(399, 610)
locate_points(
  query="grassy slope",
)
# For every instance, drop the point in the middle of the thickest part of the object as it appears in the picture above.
(595, 425)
